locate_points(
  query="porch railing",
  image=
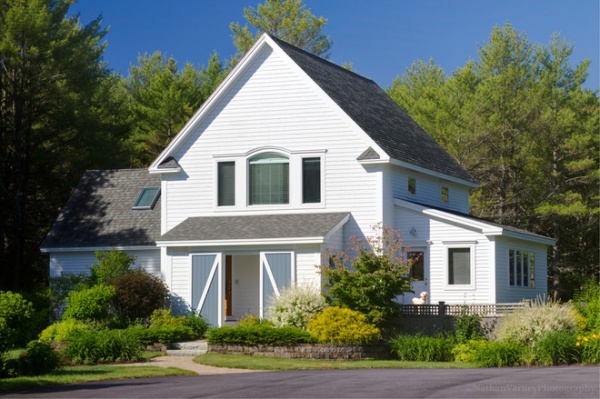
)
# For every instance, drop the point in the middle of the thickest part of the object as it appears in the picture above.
(442, 309)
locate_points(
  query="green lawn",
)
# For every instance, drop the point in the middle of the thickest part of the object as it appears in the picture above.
(271, 363)
(79, 374)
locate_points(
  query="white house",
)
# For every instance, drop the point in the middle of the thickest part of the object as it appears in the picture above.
(290, 156)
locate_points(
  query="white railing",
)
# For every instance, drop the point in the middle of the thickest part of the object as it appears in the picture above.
(441, 309)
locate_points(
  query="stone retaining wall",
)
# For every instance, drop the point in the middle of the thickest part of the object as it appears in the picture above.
(305, 351)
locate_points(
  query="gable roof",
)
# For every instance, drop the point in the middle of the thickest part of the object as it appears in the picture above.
(99, 212)
(365, 103)
(377, 114)
(486, 227)
(230, 230)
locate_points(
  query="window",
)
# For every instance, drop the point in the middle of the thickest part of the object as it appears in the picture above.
(445, 194)
(459, 266)
(521, 268)
(417, 266)
(311, 180)
(412, 185)
(269, 179)
(147, 198)
(226, 182)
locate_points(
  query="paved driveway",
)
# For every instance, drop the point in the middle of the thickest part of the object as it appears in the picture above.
(552, 382)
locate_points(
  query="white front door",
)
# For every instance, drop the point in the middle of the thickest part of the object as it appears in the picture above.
(419, 273)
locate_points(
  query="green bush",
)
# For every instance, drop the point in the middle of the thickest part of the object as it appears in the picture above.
(467, 352)
(555, 348)
(162, 334)
(498, 353)
(588, 345)
(336, 325)
(251, 320)
(137, 295)
(467, 327)
(369, 275)
(39, 358)
(62, 330)
(529, 324)
(587, 303)
(259, 334)
(421, 348)
(197, 323)
(15, 320)
(91, 304)
(109, 264)
(295, 306)
(102, 346)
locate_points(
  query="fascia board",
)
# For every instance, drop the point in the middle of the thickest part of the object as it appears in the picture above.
(235, 243)
(443, 176)
(93, 249)
(213, 99)
(338, 110)
(484, 228)
(526, 237)
(337, 227)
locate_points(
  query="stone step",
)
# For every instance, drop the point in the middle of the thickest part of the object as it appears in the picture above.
(190, 348)
(185, 352)
(190, 345)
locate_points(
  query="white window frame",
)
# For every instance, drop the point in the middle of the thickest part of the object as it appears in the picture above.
(513, 267)
(471, 245)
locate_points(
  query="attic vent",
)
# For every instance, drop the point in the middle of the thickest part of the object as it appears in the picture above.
(147, 198)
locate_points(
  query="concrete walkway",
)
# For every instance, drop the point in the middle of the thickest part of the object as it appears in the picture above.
(186, 363)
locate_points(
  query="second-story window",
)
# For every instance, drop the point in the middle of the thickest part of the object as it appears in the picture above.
(226, 181)
(311, 180)
(445, 194)
(269, 179)
(412, 185)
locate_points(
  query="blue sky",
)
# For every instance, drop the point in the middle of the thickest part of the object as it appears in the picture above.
(381, 38)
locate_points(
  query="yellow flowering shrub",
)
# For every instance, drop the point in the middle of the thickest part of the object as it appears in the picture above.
(342, 326)
(588, 345)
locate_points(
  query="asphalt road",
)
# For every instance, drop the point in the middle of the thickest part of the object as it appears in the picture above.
(551, 382)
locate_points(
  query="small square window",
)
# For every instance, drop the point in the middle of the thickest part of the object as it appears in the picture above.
(445, 192)
(412, 185)
(147, 198)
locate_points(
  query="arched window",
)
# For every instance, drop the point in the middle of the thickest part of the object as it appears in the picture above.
(269, 179)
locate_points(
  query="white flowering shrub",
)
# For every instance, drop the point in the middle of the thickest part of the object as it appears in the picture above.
(529, 324)
(295, 306)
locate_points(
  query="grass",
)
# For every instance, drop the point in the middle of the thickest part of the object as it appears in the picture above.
(80, 374)
(272, 363)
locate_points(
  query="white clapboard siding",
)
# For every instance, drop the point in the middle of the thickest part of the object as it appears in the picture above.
(429, 190)
(79, 262)
(272, 105)
(307, 267)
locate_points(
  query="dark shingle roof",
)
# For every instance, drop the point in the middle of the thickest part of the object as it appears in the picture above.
(377, 114)
(254, 227)
(99, 212)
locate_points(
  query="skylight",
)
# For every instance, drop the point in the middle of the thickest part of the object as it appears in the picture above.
(147, 198)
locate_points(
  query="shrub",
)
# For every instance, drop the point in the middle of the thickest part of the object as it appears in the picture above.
(467, 327)
(103, 346)
(295, 306)
(15, 320)
(162, 334)
(109, 264)
(498, 353)
(588, 345)
(421, 348)
(39, 358)
(336, 325)
(251, 320)
(137, 295)
(369, 276)
(90, 304)
(556, 347)
(62, 330)
(467, 352)
(587, 303)
(259, 334)
(197, 323)
(529, 324)
(59, 288)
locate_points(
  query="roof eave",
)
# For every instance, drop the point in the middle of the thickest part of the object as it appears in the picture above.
(242, 242)
(98, 248)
